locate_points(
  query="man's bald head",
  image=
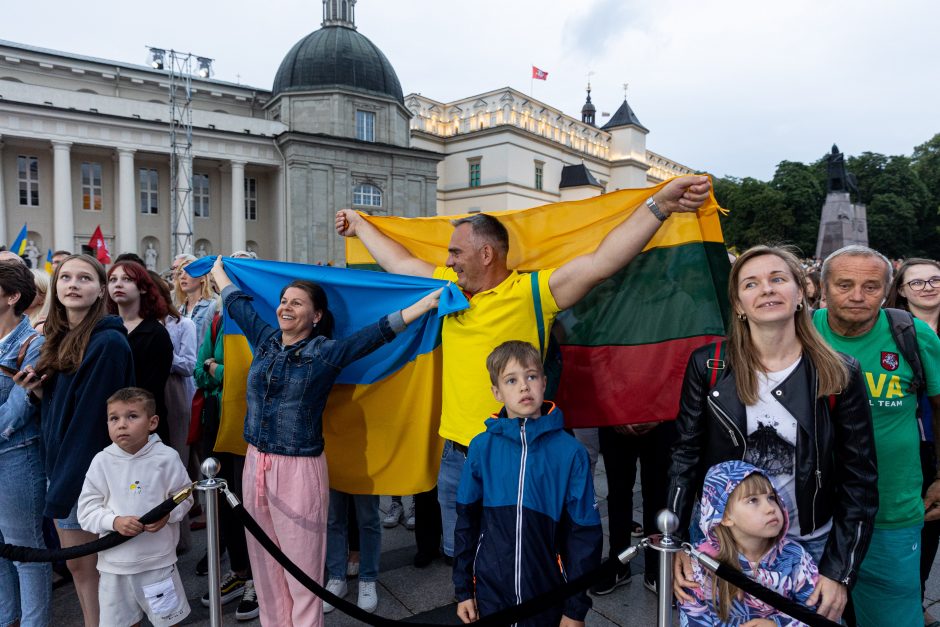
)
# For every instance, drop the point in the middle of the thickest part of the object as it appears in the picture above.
(6, 255)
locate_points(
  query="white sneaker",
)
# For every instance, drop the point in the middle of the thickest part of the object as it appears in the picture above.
(394, 516)
(337, 587)
(410, 517)
(368, 597)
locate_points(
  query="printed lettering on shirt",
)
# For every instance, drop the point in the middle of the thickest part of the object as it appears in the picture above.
(877, 388)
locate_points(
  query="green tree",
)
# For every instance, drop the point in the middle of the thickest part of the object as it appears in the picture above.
(803, 195)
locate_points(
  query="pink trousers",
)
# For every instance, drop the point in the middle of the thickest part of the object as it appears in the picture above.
(289, 497)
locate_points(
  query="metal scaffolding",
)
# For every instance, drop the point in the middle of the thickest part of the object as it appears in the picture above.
(179, 67)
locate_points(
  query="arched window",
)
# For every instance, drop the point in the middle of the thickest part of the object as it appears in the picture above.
(367, 195)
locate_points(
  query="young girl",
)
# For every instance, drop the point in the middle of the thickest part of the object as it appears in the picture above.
(84, 360)
(745, 526)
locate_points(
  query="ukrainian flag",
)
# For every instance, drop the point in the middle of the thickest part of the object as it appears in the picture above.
(19, 244)
(372, 446)
(624, 347)
(49, 261)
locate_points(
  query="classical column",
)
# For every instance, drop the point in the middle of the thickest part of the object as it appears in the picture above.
(126, 214)
(64, 229)
(183, 237)
(238, 206)
(3, 207)
(279, 224)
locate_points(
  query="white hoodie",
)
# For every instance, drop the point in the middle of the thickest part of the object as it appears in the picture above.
(121, 484)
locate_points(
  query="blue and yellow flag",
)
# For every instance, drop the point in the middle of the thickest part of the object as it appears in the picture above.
(19, 244)
(49, 261)
(372, 447)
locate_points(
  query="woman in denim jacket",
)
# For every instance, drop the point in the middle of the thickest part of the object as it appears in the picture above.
(22, 499)
(285, 480)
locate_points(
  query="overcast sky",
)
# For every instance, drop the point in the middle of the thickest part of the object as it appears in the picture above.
(728, 86)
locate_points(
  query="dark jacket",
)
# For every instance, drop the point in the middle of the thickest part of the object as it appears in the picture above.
(74, 412)
(152, 349)
(836, 476)
(508, 550)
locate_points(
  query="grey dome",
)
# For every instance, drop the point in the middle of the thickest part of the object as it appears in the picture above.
(337, 57)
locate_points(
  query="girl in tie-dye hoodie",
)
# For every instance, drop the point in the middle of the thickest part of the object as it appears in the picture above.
(745, 526)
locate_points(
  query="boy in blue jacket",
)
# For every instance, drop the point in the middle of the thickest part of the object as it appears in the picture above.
(527, 520)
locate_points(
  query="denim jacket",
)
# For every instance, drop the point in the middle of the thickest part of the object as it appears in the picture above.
(288, 385)
(19, 419)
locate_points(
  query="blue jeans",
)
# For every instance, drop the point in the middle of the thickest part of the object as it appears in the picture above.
(25, 588)
(370, 535)
(816, 547)
(448, 479)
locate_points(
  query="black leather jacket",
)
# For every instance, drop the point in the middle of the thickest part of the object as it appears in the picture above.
(836, 475)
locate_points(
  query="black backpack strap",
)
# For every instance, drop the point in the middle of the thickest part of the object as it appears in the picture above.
(716, 365)
(904, 333)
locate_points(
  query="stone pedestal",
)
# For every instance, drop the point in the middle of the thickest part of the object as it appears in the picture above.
(842, 223)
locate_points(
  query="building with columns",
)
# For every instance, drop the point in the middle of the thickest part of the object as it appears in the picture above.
(85, 142)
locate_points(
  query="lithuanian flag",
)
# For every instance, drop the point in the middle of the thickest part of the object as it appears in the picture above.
(624, 347)
(373, 446)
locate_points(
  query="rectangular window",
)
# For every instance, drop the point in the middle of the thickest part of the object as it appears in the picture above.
(91, 186)
(475, 174)
(539, 170)
(365, 126)
(149, 191)
(201, 195)
(28, 178)
(251, 199)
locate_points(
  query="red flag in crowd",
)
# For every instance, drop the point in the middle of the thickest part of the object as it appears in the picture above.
(539, 74)
(97, 244)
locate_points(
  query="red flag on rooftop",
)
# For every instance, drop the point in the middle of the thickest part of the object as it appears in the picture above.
(539, 74)
(97, 244)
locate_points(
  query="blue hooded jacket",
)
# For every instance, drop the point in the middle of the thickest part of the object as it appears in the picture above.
(786, 568)
(527, 519)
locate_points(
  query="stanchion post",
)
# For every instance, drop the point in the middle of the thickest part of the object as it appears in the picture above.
(667, 545)
(210, 486)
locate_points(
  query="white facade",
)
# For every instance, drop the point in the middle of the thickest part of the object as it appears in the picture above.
(85, 142)
(504, 150)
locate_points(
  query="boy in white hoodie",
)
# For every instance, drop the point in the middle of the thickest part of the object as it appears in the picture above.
(127, 479)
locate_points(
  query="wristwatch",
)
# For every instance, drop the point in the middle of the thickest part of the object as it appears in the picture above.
(655, 210)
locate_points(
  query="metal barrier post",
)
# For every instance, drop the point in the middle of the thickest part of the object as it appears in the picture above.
(668, 546)
(211, 486)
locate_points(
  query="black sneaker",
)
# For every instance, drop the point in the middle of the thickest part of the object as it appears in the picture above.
(651, 583)
(620, 578)
(202, 566)
(232, 587)
(248, 607)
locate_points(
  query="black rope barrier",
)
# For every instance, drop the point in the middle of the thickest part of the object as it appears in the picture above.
(507, 616)
(30, 554)
(779, 602)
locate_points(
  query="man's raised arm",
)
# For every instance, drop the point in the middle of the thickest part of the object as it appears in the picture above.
(573, 280)
(392, 256)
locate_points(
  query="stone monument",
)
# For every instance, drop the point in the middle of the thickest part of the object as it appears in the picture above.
(842, 222)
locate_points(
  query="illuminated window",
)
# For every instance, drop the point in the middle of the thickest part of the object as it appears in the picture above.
(91, 186)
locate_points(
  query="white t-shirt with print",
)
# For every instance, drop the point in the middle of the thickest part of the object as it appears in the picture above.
(771, 445)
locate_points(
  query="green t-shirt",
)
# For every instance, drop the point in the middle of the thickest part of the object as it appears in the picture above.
(893, 410)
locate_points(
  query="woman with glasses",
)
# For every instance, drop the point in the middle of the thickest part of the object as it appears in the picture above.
(916, 288)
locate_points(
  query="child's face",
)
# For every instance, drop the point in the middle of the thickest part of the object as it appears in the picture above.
(129, 426)
(754, 516)
(521, 388)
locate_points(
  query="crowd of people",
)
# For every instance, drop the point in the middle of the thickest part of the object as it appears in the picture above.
(803, 451)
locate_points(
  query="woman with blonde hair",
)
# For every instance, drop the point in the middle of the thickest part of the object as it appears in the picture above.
(37, 310)
(196, 299)
(777, 396)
